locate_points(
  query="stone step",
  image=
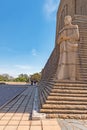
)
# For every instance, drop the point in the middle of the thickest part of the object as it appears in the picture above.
(83, 61)
(66, 102)
(64, 107)
(63, 111)
(81, 42)
(68, 95)
(82, 34)
(82, 27)
(83, 50)
(83, 37)
(82, 56)
(57, 98)
(79, 59)
(83, 77)
(67, 82)
(83, 71)
(83, 53)
(82, 47)
(67, 85)
(69, 88)
(80, 18)
(67, 116)
(84, 65)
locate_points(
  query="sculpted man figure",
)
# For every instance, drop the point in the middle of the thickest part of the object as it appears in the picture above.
(68, 41)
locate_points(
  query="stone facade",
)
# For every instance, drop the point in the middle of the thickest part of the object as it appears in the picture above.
(77, 10)
(68, 40)
(70, 7)
(65, 98)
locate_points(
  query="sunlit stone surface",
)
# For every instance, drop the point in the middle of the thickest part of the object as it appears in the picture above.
(63, 87)
(68, 41)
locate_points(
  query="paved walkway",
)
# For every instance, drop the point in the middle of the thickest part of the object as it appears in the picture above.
(9, 92)
(16, 114)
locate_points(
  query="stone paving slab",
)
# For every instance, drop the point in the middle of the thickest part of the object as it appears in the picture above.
(17, 116)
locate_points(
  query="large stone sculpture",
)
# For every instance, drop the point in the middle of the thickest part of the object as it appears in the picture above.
(68, 41)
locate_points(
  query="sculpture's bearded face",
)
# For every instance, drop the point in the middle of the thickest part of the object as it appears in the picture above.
(67, 20)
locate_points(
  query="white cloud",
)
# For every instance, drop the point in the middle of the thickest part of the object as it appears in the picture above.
(50, 8)
(15, 70)
(34, 52)
(24, 67)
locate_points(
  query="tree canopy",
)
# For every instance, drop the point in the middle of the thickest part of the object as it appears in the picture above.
(21, 78)
(35, 77)
(5, 77)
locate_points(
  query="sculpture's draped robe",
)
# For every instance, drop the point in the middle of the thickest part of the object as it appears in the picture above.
(68, 53)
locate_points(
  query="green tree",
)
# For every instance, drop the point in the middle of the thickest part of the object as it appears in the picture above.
(35, 77)
(1, 78)
(4, 77)
(22, 78)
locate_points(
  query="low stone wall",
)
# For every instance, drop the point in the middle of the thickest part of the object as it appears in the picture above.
(16, 83)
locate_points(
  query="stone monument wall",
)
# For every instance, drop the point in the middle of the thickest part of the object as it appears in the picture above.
(81, 20)
(69, 7)
(65, 99)
(77, 9)
(51, 66)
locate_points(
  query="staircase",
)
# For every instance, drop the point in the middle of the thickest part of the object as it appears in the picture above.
(81, 21)
(66, 99)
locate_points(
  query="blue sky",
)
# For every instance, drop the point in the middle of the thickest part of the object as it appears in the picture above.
(27, 34)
